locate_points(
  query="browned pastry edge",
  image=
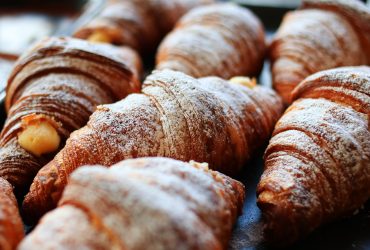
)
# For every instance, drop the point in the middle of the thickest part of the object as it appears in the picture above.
(139, 24)
(317, 162)
(11, 225)
(338, 85)
(58, 84)
(222, 124)
(222, 40)
(318, 36)
(60, 46)
(357, 13)
(155, 201)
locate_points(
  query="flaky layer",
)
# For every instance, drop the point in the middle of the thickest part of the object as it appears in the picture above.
(139, 24)
(156, 202)
(207, 120)
(322, 35)
(11, 225)
(317, 165)
(218, 40)
(60, 81)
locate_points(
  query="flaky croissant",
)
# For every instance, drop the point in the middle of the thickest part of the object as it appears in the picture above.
(11, 226)
(322, 35)
(222, 40)
(139, 24)
(207, 120)
(156, 203)
(317, 165)
(52, 91)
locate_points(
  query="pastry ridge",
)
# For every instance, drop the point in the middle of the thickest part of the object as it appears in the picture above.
(11, 225)
(60, 80)
(222, 40)
(317, 162)
(189, 119)
(320, 35)
(157, 202)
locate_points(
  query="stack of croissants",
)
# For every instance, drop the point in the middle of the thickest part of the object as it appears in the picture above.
(98, 158)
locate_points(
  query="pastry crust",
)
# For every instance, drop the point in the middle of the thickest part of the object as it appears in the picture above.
(61, 80)
(317, 165)
(157, 202)
(353, 11)
(319, 36)
(11, 226)
(139, 24)
(222, 40)
(177, 116)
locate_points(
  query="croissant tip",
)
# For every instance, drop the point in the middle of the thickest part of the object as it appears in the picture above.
(29, 214)
(40, 199)
(277, 226)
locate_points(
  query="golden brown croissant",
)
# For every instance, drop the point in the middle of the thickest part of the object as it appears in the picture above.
(317, 165)
(322, 35)
(11, 226)
(207, 120)
(52, 91)
(139, 24)
(224, 40)
(157, 202)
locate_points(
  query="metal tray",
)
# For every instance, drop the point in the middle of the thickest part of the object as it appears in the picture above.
(350, 233)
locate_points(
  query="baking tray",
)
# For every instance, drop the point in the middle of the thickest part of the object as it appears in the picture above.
(349, 233)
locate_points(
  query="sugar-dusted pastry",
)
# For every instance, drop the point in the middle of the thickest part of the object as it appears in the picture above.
(206, 120)
(323, 34)
(156, 203)
(317, 165)
(222, 40)
(11, 226)
(139, 24)
(52, 91)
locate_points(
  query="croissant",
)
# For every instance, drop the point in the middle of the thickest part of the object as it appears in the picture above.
(322, 35)
(158, 202)
(317, 165)
(11, 226)
(52, 91)
(176, 116)
(224, 40)
(139, 24)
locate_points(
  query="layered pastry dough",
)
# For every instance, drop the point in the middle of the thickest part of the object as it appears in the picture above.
(319, 36)
(206, 120)
(139, 24)
(11, 226)
(155, 203)
(317, 165)
(222, 40)
(52, 91)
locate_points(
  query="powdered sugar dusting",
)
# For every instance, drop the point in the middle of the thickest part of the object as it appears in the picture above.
(317, 163)
(313, 40)
(176, 116)
(228, 39)
(188, 205)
